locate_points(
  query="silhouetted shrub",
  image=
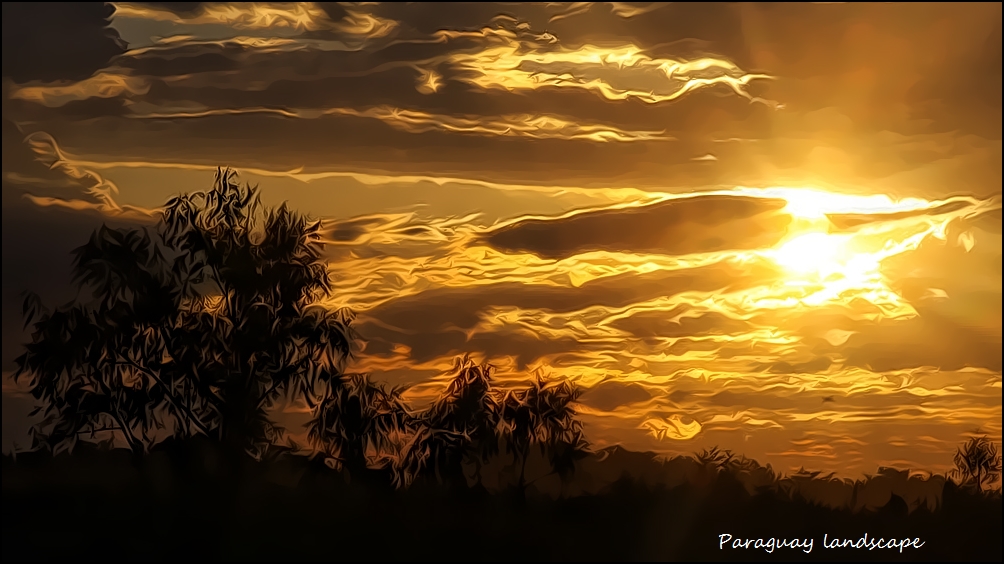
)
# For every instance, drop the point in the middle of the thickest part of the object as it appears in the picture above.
(978, 463)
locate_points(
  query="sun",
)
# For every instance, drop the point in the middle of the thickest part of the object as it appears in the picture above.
(814, 254)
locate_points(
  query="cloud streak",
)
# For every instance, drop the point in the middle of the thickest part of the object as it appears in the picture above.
(518, 59)
(674, 227)
(301, 16)
(101, 85)
(530, 126)
(103, 192)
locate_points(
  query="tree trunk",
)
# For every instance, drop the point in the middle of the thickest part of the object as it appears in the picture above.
(521, 486)
(234, 428)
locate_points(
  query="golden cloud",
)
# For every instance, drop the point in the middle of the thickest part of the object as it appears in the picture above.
(304, 16)
(101, 85)
(413, 121)
(518, 59)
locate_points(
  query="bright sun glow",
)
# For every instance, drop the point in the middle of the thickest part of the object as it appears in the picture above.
(843, 267)
(834, 268)
(819, 254)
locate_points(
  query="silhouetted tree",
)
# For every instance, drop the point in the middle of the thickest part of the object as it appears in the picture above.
(542, 415)
(978, 463)
(462, 426)
(359, 425)
(196, 328)
(472, 421)
(715, 459)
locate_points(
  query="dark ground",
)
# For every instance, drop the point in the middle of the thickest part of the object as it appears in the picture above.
(183, 505)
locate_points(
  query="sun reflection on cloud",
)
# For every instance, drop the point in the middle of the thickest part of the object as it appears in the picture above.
(520, 59)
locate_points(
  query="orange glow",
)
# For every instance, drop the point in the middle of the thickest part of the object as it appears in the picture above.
(518, 59)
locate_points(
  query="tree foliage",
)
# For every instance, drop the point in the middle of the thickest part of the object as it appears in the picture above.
(201, 323)
(196, 326)
(356, 423)
(473, 421)
(978, 463)
(543, 415)
(461, 426)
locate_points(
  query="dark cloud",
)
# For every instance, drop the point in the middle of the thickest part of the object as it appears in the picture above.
(834, 105)
(460, 308)
(818, 364)
(670, 324)
(674, 227)
(676, 29)
(610, 395)
(72, 111)
(311, 79)
(348, 143)
(923, 343)
(57, 40)
(989, 221)
(434, 344)
(203, 59)
(436, 322)
(334, 10)
(975, 86)
(425, 18)
(751, 399)
(350, 230)
(37, 246)
(180, 8)
(850, 220)
(37, 241)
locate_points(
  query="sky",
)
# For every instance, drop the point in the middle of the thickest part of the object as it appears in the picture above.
(771, 228)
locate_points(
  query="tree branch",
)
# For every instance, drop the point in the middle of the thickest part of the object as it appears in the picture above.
(170, 396)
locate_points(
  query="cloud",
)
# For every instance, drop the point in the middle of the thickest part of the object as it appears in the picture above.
(101, 85)
(850, 221)
(608, 396)
(439, 322)
(305, 16)
(930, 340)
(530, 126)
(816, 365)
(351, 23)
(674, 227)
(38, 240)
(37, 245)
(100, 189)
(674, 324)
(620, 9)
(516, 58)
(131, 212)
(64, 41)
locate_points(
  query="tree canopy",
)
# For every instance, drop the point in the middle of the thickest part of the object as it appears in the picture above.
(196, 326)
(978, 463)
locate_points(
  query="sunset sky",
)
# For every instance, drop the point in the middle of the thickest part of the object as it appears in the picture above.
(774, 228)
